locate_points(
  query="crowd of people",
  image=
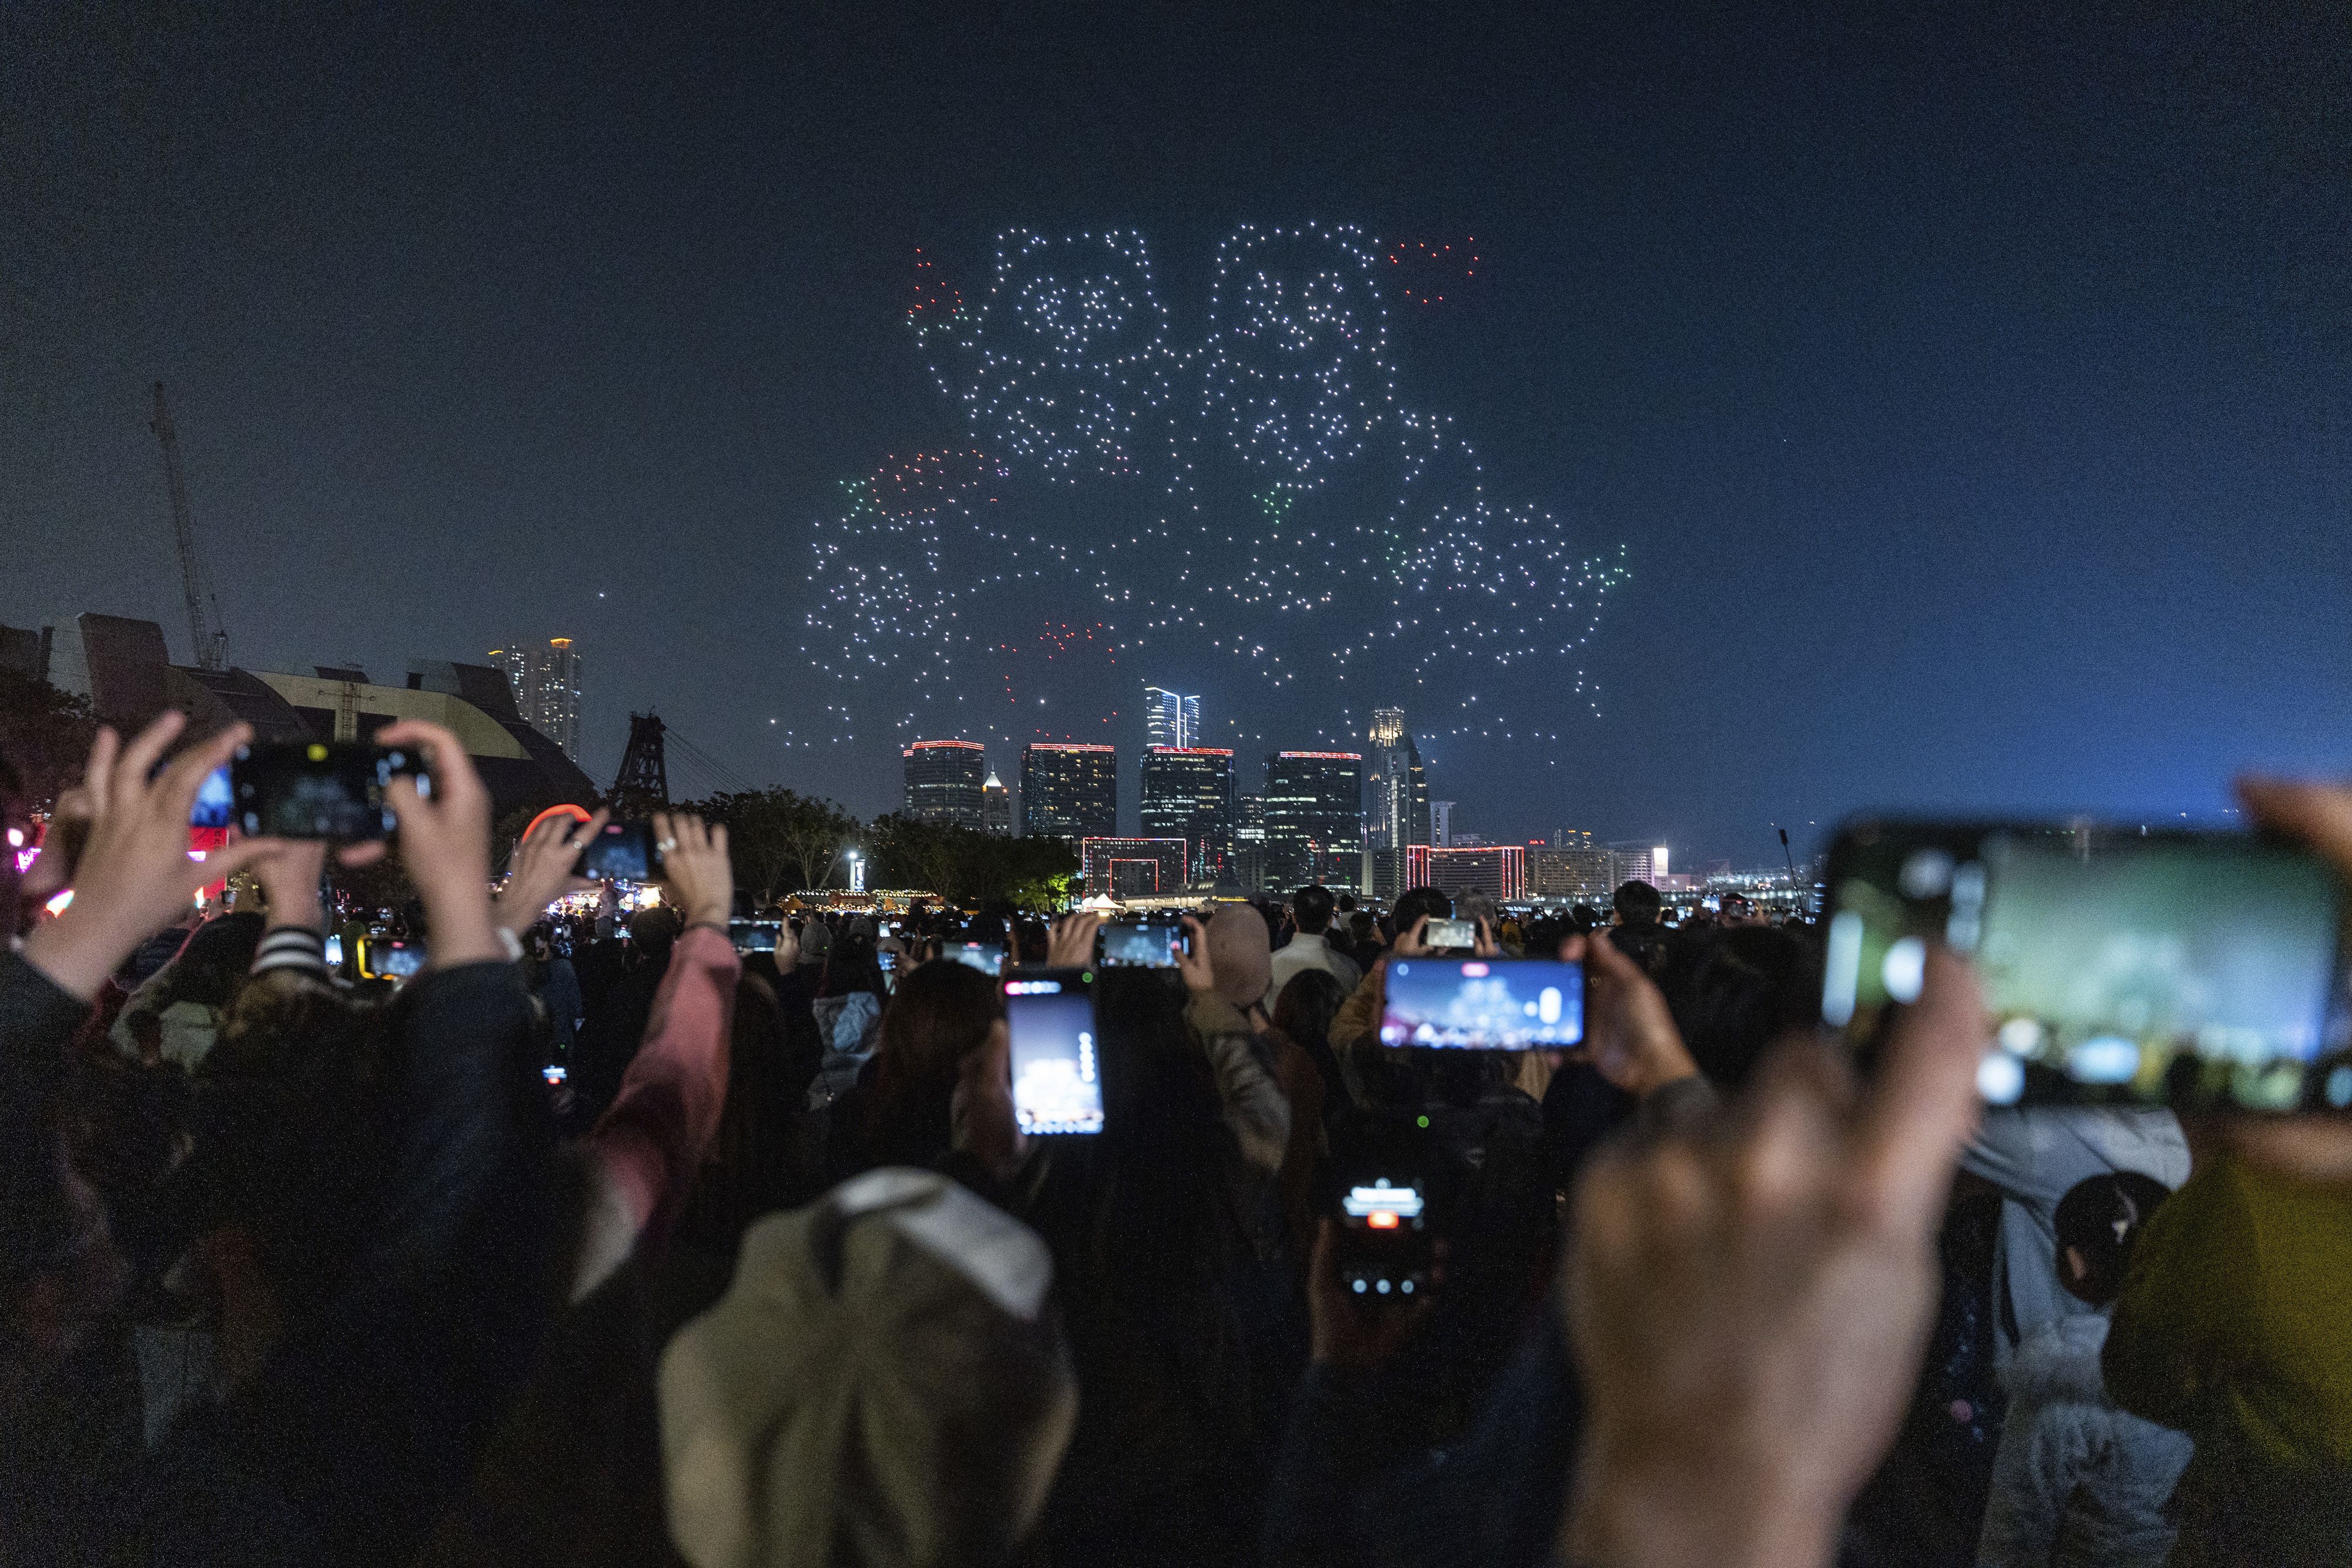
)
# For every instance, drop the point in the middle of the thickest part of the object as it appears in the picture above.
(600, 1240)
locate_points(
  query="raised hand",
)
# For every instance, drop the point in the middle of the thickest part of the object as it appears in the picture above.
(541, 872)
(2307, 1149)
(1630, 1036)
(289, 871)
(1750, 1301)
(1413, 943)
(1072, 944)
(695, 868)
(445, 843)
(133, 875)
(1192, 963)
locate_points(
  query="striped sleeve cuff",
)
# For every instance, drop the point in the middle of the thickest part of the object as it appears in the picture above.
(291, 947)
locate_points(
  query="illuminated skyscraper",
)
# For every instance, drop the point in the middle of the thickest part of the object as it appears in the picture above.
(1396, 795)
(1188, 793)
(1313, 818)
(1441, 824)
(1171, 718)
(995, 807)
(546, 683)
(944, 782)
(1069, 790)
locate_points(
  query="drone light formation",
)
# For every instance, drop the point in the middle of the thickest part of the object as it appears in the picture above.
(1256, 491)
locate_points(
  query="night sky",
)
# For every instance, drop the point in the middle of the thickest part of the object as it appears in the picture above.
(1963, 400)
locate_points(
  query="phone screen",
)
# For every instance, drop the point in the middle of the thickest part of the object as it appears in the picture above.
(2183, 967)
(1057, 1076)
(1385, 1245)
(754, 935)
(624, 852)
(381, 959)
(1149, 945)
(988, 958)
(314, 790)
(1450, 934)
(554, 1074)
(216, 804)
(1483, 1004)
(335, 951)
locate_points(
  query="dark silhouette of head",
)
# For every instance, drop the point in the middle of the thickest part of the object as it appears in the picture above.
(1311, 907)
(1420, 904)
(2098, 1222)
(1638, 904)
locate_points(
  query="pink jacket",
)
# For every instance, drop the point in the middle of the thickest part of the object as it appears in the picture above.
(652, 1140)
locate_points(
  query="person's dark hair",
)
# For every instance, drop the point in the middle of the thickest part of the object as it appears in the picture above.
(1418, 901)
(655, 930)
(1309, 1001)
(1311, 907)
(1736, 992)
(212, 967)
(850, 965)
(1584, 918)
(941, 1013)
(2101, 1218)
(1638, 904)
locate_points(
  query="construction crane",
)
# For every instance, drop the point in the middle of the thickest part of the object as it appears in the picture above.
(208, 638)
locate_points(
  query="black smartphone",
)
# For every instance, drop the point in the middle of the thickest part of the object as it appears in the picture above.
(1483, 1004)
(754, 935)
(1460, 934)
(1056, 1073)
(1143, 945)
(1385, 1247)
(624, 852)
(988, 958)
(317, 789)
(2121, 967)
(382, 958)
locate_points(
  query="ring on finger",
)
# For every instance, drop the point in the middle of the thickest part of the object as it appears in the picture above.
(667, 845)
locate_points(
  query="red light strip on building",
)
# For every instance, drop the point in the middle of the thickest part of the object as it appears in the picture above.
(1327, 756)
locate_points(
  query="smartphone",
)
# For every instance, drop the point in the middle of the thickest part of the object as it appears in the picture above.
(381, 959)
(624, 852)
(1483, 1004)
(334, 953)
(1384, 1244)
(754, 935)
(2120, 967)
(554, 1074)
(318, 789)
(216, 804)
(988, 958)
(1143, 945)
(1057, 1075)
(1462, 934)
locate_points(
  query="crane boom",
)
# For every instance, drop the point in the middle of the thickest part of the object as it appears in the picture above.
(210, 643)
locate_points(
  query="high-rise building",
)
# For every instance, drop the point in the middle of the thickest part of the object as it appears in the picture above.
(946, 782)
(1499, 871)
(1171, 718)
(1132, 868)
(1188, 793)
(1396, 792)
(1631, 861)
(546, 683)
(1249, 841)
(1313, 818)
(1069, 790)
(1570, 869)
(995, 807)
(1441, 823)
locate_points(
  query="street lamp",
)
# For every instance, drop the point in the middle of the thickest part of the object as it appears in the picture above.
(857, 872)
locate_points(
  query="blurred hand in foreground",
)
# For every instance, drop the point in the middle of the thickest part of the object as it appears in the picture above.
(1630, 1036)
(133, 875)
(445, 843)
(1072, 944)
(2316, 1148)
(1750, 1301)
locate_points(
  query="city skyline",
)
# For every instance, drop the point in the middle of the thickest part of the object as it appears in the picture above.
(1909, 364)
